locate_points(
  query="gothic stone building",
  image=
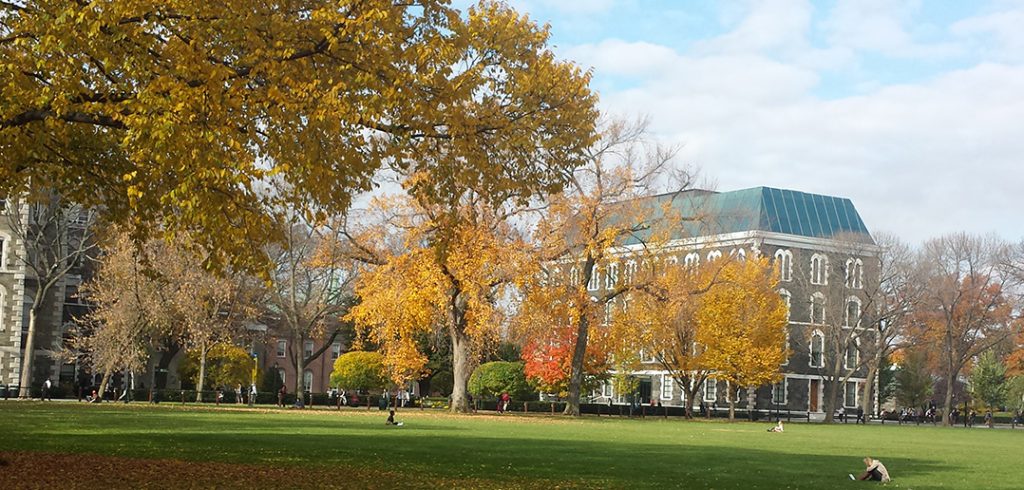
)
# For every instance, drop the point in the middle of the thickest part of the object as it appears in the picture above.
(824, 255)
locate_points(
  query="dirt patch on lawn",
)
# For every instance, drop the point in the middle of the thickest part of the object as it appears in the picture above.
(24, 469)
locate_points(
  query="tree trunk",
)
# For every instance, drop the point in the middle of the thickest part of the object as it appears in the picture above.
(829, 404)
(103, 383)
(732, 409)
(30, 345)
(947, 405)
(461, 370)
(202, 372)
(579, 352)
(300, 368)
(869, 385)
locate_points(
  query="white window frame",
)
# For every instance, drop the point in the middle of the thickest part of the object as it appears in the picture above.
(852, 300)
(712, 384)
(281, 373)
(784, 261)
(611, 275)
(787, 298)
(781, 386)
(574, 276)
(846, 394)
(630, 271)
(5, 246)
(692, 260)
(307, 349)
(644, 357)
(307, 380)
(3, 308)
(282, 348)
(609, 312)
(741, 254)
(819, 270)
(821, 353)
(595, 278)
(855, 344)
(335, 350)
(815, 298)
(608, 390)
(667, 382)
(714, 255)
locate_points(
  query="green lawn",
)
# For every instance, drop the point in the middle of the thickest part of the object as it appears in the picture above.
(354, 449)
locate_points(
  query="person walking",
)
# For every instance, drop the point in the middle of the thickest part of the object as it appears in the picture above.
(280, 396)
(46, 391)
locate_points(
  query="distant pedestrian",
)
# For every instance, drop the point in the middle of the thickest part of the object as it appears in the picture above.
(238, 394)
(46, 390)
(988, 418)
(280, 396)
(252, 394)
(506, 399)
(860, 415)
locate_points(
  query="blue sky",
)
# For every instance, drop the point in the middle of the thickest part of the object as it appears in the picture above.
(913, 109)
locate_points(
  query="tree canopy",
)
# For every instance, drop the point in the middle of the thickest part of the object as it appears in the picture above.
(359, 370)
(178, 114)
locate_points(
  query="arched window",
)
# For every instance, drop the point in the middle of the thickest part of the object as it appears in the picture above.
(692, 260)
(611, 276)
(714, 254)
(819, 269)
(307, 380)
(630, 271)
(852, 312)
(784, 263)
(787, 298)
(672, 260)
(741, 255)
(817, 309)
(595, 279)
(852, 357)
(817, 348)
(854, 273)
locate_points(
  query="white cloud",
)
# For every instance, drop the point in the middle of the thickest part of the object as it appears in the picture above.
(881, 26)
(999, 34)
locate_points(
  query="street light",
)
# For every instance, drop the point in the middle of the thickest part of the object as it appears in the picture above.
(252, 387)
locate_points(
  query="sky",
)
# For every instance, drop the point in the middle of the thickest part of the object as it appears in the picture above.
(912, 109)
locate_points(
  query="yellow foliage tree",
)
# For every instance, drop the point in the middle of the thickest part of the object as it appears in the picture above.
(742, 327)
(431, 273)
(174, 114)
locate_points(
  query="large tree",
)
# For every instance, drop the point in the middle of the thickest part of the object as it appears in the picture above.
(967, 306)
(310, 289)
(580, 235)
(170, 115)
(57, 236)
(434, 272)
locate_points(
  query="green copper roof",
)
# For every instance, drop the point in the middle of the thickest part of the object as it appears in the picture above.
(766, 209)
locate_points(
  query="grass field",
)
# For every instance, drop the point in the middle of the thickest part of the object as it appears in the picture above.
(79, 445)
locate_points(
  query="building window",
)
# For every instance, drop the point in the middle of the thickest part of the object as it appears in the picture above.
(819, 269)
(710, 390)
(691, 260)
(307, 349)
(574, 277)
(611, 276)
(595, 279)
(630, 271)
(714, 254)
(852, 357)
(786, 353)
(609, 308)
(3, 252)
(787, 299)
(739, 254)
(784, 263)
(817, 347)
(281, 374)
(607, 390)
(817, 309)
(850, 394)
(335, 350)
(852, 313)
(666, 387)
(779, 392)
(282, 346)
(854, 274)
(307, 380)
(646, 355)
(3, 308)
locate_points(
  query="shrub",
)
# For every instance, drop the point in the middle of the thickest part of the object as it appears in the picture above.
(359, 370)
(494, 378)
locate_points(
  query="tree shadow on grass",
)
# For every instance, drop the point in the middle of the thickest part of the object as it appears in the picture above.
(426, 450)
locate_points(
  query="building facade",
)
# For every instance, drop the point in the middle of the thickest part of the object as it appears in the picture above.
(824, 256)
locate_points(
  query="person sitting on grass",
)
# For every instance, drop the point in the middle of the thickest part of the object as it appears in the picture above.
(778, 428)
(875, 471)
(391, 420)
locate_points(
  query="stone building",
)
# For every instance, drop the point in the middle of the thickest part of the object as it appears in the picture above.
(824, 254)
